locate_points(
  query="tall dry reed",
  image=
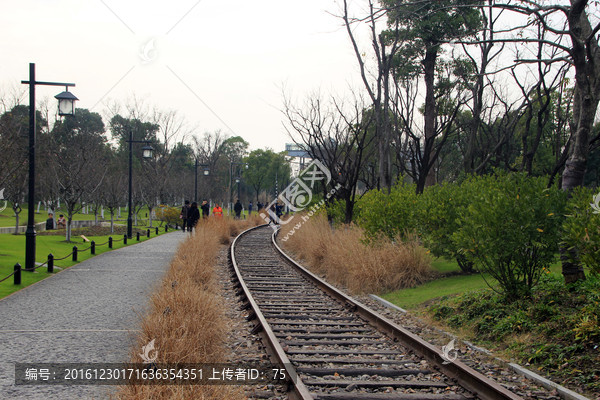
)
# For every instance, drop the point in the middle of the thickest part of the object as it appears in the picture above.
(346, 258)
(186, 317)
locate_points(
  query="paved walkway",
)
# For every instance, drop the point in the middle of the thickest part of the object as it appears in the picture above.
(88, 313)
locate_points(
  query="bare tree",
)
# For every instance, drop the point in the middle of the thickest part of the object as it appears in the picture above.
(209, 150)
(111, 191)
(337, 135)
(78, 156)
(378, 88)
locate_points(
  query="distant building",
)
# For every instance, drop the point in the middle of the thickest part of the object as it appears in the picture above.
(299, 157)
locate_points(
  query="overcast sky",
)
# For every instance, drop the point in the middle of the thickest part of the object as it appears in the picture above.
(221, 64)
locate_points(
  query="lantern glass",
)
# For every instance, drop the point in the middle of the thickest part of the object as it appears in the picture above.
(147, 152)
(66, 103)
(66, 107)
(206, 171)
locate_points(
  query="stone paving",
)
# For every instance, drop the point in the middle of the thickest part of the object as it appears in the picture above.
(89, 313)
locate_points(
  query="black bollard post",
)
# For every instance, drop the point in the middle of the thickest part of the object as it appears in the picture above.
(50, 263)
(157, 230)
(93, 247)
(74, 253)
(17, 274)
(110, 242)
(124, 239)
(148, 232)
(137, 235)
(166, 228)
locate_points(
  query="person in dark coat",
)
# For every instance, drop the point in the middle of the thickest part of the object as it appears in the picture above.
(50, 222)
(238, 209)
(184, 214)
(193, 216)
(205, 209)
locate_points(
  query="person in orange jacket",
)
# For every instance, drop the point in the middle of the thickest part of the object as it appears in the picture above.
(217, 211)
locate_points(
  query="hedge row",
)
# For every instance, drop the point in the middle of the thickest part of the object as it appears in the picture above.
(509, 226)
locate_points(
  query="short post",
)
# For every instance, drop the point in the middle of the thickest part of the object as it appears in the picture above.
(157, 230)
(110, 242)
(176, 226)
(166, 228)
(148, 232)
(137, 236)
(125, 239)
(93, 247)
(74, 253)
(17, 274)
(50, 263)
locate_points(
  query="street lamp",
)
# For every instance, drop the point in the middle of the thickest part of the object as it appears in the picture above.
(66, 106)
(231, 164)
(206, 173)
(66, 102)
(147, 153)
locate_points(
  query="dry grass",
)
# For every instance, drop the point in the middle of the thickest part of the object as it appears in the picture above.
(225, 228)
(186, 317)
(345, 258)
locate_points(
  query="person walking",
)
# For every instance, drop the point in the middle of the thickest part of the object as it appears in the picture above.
(259, 206)
(205, 209)
(250, 208)
(217, 211)
(50, 222)
(237, 208)
(193, 216)
(184, 214)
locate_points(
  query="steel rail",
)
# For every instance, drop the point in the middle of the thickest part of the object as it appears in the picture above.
(299, 390)
(466, 376)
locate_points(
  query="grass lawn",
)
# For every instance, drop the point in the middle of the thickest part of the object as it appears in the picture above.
(7, 217)
(12, 250)
(447, 286)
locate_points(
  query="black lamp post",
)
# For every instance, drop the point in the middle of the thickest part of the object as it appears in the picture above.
(231, 164)
(206, 172)
(66, 106)
(147, 152)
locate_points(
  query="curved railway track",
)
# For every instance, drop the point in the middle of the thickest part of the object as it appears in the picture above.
(333, 347)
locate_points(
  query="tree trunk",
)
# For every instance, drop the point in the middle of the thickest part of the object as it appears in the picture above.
(68, 230)
(349, 212)
(430, 115)
(586, 58)
(17, 223)
(574, 172)
(112, 221)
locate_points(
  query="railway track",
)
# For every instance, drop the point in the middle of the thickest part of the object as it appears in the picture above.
(333, 347)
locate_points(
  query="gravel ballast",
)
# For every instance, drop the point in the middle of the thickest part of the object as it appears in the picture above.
(245, 345)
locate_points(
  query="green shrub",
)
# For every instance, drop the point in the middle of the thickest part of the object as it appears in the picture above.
(511, 229)
(169, 215)
(391, 215)
(581, 229)
(337, 210)
(438, 218)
